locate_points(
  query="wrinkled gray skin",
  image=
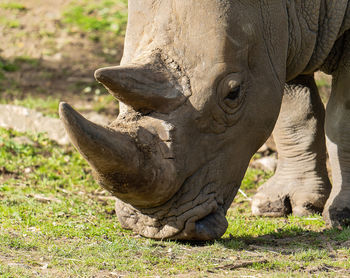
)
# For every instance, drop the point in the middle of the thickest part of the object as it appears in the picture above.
(201, 86)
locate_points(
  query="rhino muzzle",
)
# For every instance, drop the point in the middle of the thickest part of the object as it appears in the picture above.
(133, 158)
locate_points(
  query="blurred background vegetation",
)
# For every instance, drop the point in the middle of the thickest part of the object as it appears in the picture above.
(50, 49)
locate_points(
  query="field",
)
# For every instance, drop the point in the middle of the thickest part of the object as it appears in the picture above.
(56, 222)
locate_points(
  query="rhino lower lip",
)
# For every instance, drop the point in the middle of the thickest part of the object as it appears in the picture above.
(207, 219)
(213, 225)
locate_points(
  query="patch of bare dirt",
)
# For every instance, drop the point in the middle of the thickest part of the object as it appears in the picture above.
(53, 60)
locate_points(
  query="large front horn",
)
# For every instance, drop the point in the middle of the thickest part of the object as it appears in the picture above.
(136, 176)
(106, 150)
(143, 87)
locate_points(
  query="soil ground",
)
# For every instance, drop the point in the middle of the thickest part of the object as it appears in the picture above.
(51, 58)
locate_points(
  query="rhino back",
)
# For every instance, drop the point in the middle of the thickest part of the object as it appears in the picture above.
(314, 28)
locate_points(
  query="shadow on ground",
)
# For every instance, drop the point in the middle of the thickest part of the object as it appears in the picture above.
(287, 241)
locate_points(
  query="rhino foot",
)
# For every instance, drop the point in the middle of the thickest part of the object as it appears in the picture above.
(337, 210)
(281, 196)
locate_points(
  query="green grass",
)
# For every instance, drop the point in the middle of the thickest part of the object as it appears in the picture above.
(254, 178)
(99, 17)
(48, 106)
(321, 82)
(13, 6)
(15, 64)
(6, 66)
(9, 23)
(20, 60)
(57, 222)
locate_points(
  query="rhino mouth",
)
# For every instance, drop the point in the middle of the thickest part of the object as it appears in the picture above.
(193, 213)
(212, 226)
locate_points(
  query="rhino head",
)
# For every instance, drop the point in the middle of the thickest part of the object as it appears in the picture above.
(200, 88)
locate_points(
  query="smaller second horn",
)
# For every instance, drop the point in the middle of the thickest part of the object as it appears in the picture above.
(141, 87)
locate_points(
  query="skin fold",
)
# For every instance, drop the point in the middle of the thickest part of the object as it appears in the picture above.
(201, 86)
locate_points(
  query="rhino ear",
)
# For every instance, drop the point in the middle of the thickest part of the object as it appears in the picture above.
(143, 88)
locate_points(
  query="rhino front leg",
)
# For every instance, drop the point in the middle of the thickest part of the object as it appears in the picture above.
(300, 185)
(337, 210)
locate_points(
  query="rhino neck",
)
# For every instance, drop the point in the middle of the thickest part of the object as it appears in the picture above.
(314, 27)
(274, 30)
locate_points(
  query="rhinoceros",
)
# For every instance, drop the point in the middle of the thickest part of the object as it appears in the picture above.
(202, 85)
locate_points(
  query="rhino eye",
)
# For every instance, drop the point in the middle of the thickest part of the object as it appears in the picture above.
(230, 92)
(234, 93)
